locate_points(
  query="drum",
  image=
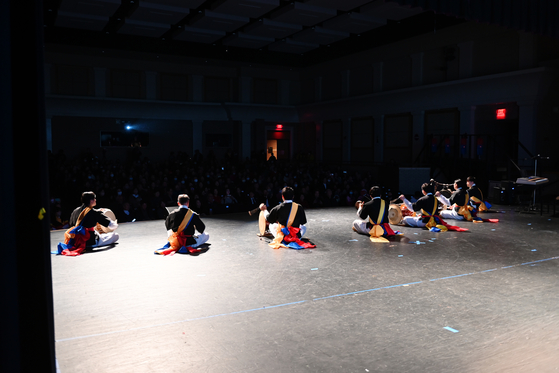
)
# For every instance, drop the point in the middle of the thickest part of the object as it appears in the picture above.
(108, 213)
(446, 192)
(394, 214)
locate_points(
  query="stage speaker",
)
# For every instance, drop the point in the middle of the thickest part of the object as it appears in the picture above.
(411, 178)
(501, 192)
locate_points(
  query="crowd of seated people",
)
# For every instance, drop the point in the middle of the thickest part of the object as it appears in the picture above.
(138, 189)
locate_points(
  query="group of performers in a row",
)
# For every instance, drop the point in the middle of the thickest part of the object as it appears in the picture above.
(429, 211)
(286, 222)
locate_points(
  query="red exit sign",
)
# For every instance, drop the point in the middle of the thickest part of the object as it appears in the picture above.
(501, 113)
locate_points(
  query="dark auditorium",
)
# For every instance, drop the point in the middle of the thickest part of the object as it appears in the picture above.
(254, 186)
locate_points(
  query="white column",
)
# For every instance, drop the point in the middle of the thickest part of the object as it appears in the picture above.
(100, 81)
(526, 50)
(284, 90)
(467, 119)
(48, 124)
(527, 131)
(417, 69)
(346, 139)
(379, 137)
(467, 126)
(466, 60)
(377, 77)
(418, 135)
(318, 89)
(319, 144)
(246, 139)
(197, 88)
(47, 78)
(345, 83)
(245, 89)
(151, 85)
(197, 136)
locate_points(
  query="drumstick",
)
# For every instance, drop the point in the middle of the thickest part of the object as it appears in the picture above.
(441, 184)
(255, 211)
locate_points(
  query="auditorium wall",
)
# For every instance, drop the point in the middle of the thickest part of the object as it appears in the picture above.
(456, 69)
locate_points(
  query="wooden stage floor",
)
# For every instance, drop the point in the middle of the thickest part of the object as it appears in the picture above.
(486, 300)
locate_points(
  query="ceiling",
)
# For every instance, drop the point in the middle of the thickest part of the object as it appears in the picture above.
(281, 32)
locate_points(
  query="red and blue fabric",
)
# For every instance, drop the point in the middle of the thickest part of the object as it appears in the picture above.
(177, 241)
(439, 221)
(292, 241)
(76, 239)
(437, 224)
(287, 237)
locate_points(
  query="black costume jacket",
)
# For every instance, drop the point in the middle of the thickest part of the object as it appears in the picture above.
(427, 203)
(474, 191)
(89, 221)
(372, 209)
(281, 212)
(459, 197)
(175, 218)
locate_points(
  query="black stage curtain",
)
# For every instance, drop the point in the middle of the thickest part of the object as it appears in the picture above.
(26, 312)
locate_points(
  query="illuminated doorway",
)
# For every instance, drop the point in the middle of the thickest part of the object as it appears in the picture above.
(278, 143)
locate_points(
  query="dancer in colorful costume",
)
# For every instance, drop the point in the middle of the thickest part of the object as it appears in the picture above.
(82, 233)
(458, 203)
(373, 218)
(287, 223)
(181, 226)
(477, 204)
(427, 212)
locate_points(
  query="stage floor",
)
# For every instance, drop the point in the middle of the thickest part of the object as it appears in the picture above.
(486, 300)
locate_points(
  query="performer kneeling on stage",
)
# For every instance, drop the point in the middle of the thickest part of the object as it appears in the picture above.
(476, 197)
(374, 217)
(458, 206)
(181, 225)
(287, 223)
(82, 233)
(477, 204)
(427, 212)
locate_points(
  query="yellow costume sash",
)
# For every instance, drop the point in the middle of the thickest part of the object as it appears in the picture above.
(185, 221)
(82, 215)
(174, 237)
(432, 223)
(465, 210)
(276, 243)
(376, 231)
(67, 234)
(481, 204)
